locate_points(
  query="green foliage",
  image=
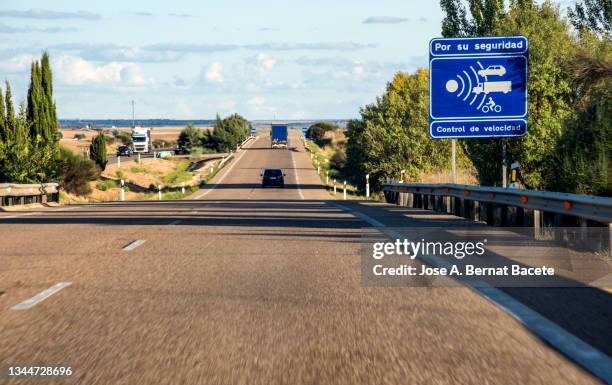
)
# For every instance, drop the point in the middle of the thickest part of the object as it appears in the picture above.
(179, 175)
(392, 134)
(338, 160)
(189, 139)
(76, 172)
(582, 161)
(593, 15)
(227, 133)
(97, 151)
(124, 137)
(318, 130)
(139, 170)
(161, 143)
(105, 185)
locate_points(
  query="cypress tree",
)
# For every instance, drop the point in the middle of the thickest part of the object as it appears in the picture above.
(10, 110)
(97, 151)
(52, 125)
(3, 135)
(36, 101)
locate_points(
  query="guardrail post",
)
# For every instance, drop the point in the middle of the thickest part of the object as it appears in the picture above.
(334, 187)
(118, 161)
(520, 217)
(467, 208)
(138, 158)
(504, 215)
(159, 192)
(183, 188)
(490, 213)
(344, 190)
(457, 207)
(476, 211)
(122, 194)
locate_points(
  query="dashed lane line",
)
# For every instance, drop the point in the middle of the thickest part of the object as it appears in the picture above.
(134, 244)
(43, 295)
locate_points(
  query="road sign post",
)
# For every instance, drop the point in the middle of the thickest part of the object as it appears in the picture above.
(368, 186)
(119, 161)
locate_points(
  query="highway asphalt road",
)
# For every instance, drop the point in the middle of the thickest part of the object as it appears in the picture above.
(244, 285)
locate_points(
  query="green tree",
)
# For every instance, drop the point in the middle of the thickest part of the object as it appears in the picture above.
(97, 151)
(189, 139)
(10, 108)
(392, 134)
(76, 172)
(594, 15)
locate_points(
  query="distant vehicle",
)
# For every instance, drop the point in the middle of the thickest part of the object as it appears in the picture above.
(141, 139)
(493, 70)
(279, 135)
(272, 177)
(124, 151)
(488, 87)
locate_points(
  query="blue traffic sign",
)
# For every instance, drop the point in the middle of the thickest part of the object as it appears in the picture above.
(304, 131)
(253, 131)
(478, 87)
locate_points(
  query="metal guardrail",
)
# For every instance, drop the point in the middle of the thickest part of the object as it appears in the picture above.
(436, 196)
(18, 194)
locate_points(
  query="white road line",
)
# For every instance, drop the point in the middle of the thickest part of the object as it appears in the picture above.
(359, 215)
(134, 244)
(587, 356)
(41, 212)
(174, 223)
(226, 173)
(43, 295)
(297, 178)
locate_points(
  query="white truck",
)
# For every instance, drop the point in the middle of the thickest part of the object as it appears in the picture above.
(141, 139)
(488, 87)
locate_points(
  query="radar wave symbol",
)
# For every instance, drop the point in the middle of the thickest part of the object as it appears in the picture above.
(465, 86)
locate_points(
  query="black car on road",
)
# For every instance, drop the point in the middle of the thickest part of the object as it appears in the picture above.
(124, 151)
(272, 177)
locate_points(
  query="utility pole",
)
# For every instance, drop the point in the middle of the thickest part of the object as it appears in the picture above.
(454, 160)
(504, 166)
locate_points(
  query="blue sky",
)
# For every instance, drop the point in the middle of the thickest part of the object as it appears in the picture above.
(191, 59)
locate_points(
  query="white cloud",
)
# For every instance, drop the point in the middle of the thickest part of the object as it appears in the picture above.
(385, 20)
(48, 14)
(265, 62)
(18, 63)
(74, 71)
(213, 73)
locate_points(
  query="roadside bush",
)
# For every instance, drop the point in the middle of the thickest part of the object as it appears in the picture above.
(79, 136)
(139, 170)
(161, 143)
(338, 160)
(189, 139)
(105, 185)
(76, 172)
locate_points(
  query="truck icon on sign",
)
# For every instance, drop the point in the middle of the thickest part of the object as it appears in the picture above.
(490, 87)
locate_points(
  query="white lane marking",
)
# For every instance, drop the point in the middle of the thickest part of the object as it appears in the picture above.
(297, 178)
(134, 244)
(41, 212)
(43, 295)
(174, 223)
(590, 358)
(359, 215)
(587, 356)
(226, 173)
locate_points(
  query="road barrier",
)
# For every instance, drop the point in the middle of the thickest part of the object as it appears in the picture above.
(12, 194)
(509, 207)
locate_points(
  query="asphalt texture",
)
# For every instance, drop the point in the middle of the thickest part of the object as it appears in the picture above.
(244, 285)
